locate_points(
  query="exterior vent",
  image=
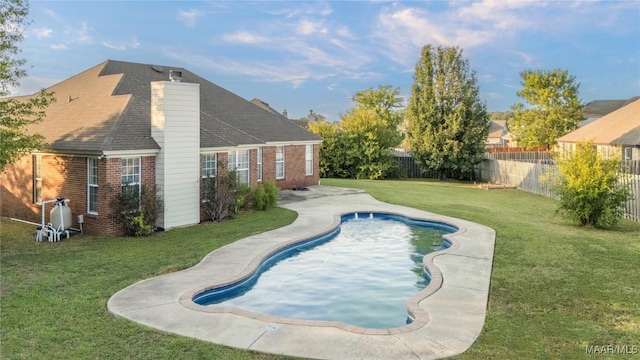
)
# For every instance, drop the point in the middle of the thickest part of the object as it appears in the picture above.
(175, 75)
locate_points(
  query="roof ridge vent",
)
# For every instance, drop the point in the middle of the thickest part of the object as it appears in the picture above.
(175, 75)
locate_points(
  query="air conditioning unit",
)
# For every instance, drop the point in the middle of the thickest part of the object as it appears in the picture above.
(175, 75)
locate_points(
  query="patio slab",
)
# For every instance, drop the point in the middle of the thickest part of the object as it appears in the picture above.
(449, 318)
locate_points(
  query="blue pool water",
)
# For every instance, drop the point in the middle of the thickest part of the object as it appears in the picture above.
(361, 274)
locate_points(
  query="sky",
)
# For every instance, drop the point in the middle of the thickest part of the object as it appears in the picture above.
(315, 55)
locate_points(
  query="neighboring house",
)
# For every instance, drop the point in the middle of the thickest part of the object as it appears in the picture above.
(126, 124)
(598, 108)
(266, 106)
(616, 131)
(497, 134)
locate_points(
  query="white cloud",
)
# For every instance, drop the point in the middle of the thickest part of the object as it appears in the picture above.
(245, 38)
(60, 46)
(79, 35)
(190, 17)
(344, 32)
(123, 45)
(42, 33)
(308, 27)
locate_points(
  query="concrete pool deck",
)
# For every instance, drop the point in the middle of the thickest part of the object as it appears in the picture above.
(451, 309)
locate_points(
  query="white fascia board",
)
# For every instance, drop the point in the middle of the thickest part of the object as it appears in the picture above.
(130, 153)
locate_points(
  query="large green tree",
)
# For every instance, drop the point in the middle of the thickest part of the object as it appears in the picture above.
(361, 146)
(447, 121)
(16, 114)
(552, 108)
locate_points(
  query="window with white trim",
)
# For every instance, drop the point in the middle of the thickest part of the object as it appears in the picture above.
(92, 185)
(259, 162)
(239, 161)
(209, 166)
(308, 159)
(280, 162)
(37, 178)
(130, 175)
(627, 153)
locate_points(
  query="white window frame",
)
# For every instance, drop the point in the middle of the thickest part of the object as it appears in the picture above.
(259, 163)
(308, 159)
(208, 171)
(92, 185)
(238, 166)
(280, 173)
(131, 167)
(627, 153)
(206, 161)
(37, 178)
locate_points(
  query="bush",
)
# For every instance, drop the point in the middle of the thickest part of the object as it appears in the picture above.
(265, 196)
(219, 194)
(588, 186)
(138, 210)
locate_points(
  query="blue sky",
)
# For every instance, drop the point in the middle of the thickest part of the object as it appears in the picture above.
(302, 55)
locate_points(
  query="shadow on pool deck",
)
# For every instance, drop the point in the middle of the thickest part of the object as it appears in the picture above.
(314, 192)
(452, 316)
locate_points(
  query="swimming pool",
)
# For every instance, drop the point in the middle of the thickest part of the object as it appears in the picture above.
(361, 273)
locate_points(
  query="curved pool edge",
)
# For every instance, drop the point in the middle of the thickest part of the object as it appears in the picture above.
(419, 316)
(456, 311)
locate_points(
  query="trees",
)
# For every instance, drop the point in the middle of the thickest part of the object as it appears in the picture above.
(15, 115)
(361, 146)
(372, 127)
(553, 108)
(447, 122)
(588, 186)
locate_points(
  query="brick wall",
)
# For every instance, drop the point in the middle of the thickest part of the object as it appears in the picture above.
(67, 176)
(294, 164)
(61, 176)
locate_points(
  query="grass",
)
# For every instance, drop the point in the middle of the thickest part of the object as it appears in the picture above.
(555, 288)
(54, 295)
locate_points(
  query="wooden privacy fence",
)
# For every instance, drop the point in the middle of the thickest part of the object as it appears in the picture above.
(535, 177)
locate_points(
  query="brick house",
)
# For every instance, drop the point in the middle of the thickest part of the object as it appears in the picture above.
(127, 124)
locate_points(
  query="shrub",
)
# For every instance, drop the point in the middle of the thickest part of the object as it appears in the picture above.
(265, 196)
(240, 198)
(219, 194)
(137, 210)
(588, 186)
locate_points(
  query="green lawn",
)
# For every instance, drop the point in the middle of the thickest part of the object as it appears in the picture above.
(555, 289)
(54, 295)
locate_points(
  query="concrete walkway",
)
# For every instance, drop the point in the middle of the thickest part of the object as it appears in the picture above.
(449, 313)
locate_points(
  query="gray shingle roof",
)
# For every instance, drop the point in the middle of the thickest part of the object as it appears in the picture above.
(110, 110)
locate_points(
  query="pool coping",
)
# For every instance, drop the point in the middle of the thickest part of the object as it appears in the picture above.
(448, 314)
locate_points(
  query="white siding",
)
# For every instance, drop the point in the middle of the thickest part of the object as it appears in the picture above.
(175, 125)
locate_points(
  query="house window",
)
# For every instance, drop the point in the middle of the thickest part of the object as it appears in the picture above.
(280, 162)
(130, 176)
(259, 161)
(92, 185)
(37, 178)
(308, 159)
(209, 165)
(627, 153)
(239, 161)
